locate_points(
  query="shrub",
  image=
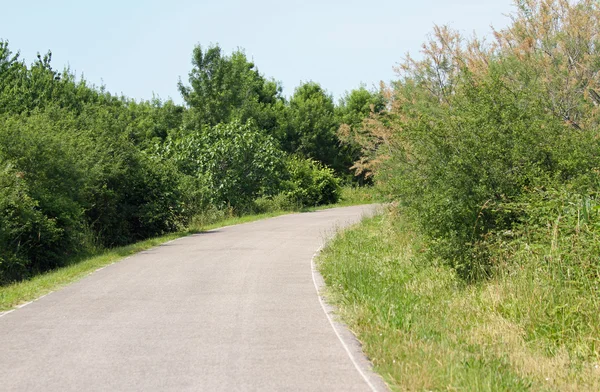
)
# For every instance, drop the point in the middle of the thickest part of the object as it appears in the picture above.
(472, 130)
(280, 202)
(29, 241)
(236, 163)
(310, 183)
(52, 177)
(128, 194)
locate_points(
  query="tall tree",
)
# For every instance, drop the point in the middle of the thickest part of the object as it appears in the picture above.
(225, 88)
(310, 126)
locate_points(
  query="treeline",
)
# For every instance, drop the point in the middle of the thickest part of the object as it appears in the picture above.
(493, 149)
(83, 169)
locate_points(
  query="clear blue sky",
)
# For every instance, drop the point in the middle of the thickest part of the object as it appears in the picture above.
(142, 47)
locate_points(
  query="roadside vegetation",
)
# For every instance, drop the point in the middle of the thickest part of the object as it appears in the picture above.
(485, 275)
(426, 329)
(83, 171)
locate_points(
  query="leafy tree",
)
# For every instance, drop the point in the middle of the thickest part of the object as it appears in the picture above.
(150, 122)
(81, 168)
(12, 72)
(358, 104)
(310, 126)
(227, 88)
(24, 89)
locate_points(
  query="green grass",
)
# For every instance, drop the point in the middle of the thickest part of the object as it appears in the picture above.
(353, 196)
(425, 329)
(17, 293)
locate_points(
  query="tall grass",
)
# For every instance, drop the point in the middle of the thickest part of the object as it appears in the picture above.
(530, 327)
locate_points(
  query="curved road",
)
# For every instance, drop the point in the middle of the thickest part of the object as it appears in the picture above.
(232, 309)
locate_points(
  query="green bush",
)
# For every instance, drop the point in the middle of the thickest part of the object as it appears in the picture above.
(53, 175)
(310, 183)
(90, 170)
(279, 202)
(459, 167)
(29, 241)
(128, 194)
(91, 183)
(234, 162)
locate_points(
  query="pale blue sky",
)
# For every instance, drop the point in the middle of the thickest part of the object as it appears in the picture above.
(142, 47)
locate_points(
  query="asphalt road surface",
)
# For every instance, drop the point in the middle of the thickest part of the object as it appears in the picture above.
(233, 309)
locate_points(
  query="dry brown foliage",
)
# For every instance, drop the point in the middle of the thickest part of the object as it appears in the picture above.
(557, 42)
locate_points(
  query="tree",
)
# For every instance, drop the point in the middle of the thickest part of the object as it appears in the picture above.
(150, 122)
(226, 88)
(310, 126)
(354, 109)
(24, 89)
(12, 71)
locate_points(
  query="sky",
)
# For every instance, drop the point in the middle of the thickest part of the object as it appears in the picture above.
(141, 48)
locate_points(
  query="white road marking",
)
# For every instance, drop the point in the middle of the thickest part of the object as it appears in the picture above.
(333, 325)
(2, 314)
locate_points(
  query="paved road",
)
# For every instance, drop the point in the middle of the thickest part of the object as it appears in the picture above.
(232, 309)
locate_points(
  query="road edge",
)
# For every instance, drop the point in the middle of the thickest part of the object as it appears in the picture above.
(349, 341)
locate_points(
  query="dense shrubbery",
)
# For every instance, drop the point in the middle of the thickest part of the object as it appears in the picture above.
(81, 169)
(479, 137)
(491, 153)
(309, 183)
(236, 163)
(28, 238)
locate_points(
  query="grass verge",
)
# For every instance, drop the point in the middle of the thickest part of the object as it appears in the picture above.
(353, 196)
(425, 329)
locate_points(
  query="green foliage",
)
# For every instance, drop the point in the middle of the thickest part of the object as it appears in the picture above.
(466, 160)
(357, 105)
(472, 131)
(235, 162)
(82, 169)
(53, 176)
(354, 109)
(491, 153)
(309, 183)
(533, 327)
(82, 172)
(310, 125)
(226, 88)
(280, 202)
(150, 122)
(24, 89)
(26, 234)
(129, 195)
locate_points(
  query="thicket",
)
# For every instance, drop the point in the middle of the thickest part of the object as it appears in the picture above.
(81, 169)
(492, 150)
(488, 142)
